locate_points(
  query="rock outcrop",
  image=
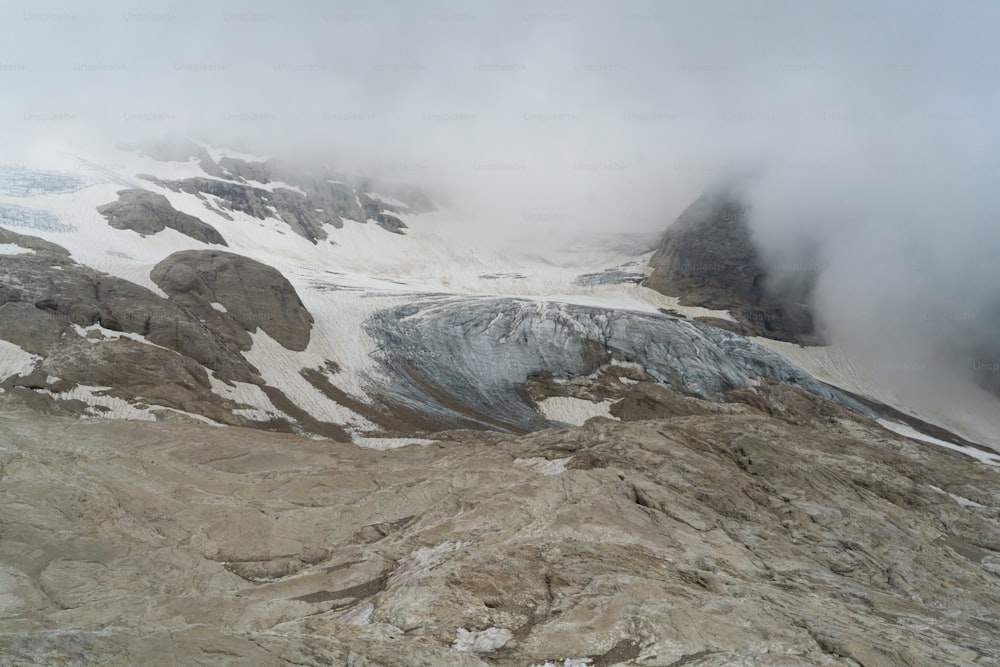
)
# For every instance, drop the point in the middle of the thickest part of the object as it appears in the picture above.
(93, 330)
(816, 539)
(305, 198)
(708, 258)
(250, 293)
(146, 213)
(50, 281)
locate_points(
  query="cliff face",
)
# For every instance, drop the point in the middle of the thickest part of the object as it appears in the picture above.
(708, 258)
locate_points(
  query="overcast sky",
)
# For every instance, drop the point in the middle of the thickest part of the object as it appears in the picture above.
(583, 110)
(869, 126)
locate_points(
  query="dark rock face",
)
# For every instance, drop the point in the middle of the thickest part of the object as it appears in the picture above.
(146, 212)
(466, 363)
(253, 294)
(707, 258)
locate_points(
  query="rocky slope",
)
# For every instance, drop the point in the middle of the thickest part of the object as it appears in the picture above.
(780, 529)
(91, 332)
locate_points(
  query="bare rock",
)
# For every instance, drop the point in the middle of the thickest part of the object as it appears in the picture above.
(146, 213)
(253, 294)
(708, 538)
(33, 329)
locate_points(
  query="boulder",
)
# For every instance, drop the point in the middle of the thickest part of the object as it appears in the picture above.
(252, 293)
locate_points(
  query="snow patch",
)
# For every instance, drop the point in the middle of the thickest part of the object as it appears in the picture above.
(543, 465)
(219, 307)
(575, 411)
(961, 500)
(384, 444)
(913, 434)
(280, 367)
(974, 417)
(84, 332)
(114, 407)
(568, 662)
(14, 249)
(391, 201)
(278, 185)
(259, 408)
(15, 361)
(481, 641)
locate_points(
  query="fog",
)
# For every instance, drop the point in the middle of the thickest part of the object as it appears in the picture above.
(866, 132)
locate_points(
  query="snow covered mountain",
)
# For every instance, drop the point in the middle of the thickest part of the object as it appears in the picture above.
(181, 281)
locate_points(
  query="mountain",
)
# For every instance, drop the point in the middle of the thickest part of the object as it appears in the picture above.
(708, 257)
(602, 452)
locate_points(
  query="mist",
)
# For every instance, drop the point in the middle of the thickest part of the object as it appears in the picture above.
(864, 134)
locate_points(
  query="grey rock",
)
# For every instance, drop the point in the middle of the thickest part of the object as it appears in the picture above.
(32, 329)
(288, 205)
(253, 294)
(146, 213)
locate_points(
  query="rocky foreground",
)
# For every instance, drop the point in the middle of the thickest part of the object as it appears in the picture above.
(777, 529)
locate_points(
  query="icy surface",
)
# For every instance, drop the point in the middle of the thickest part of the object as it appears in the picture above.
(583, 291)
(465, 361)
(23, 217)
(30, 182)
